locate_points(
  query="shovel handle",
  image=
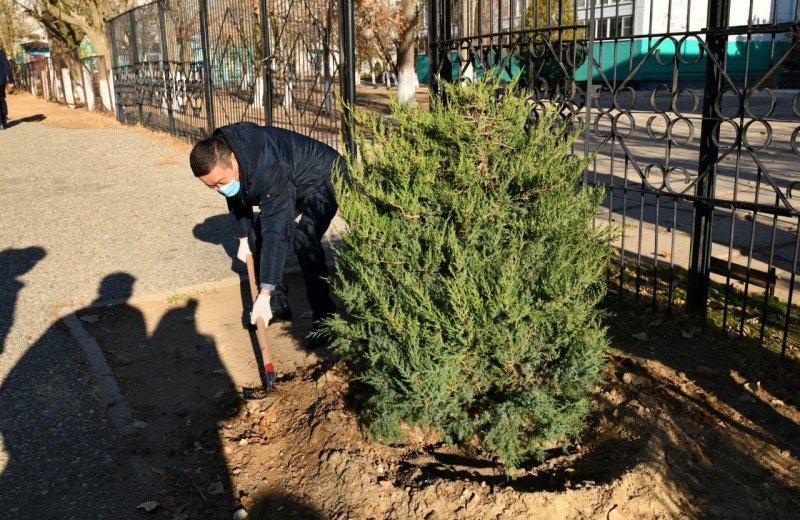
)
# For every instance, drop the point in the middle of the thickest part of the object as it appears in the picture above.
(261, 327)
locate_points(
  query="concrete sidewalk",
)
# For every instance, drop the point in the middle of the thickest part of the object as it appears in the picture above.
(88, 215)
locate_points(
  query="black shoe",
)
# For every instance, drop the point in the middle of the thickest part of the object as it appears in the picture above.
(281, 314)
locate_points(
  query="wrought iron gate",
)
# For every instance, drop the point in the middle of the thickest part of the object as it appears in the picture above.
(189, 67)
(691, 111)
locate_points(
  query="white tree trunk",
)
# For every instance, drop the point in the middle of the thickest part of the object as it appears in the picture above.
(406, 57)
(407, 84)
(66, 81)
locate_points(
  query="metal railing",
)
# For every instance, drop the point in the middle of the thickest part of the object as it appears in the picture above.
(192, 66)
(691, 117)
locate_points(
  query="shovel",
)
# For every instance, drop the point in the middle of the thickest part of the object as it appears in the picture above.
(261, 329)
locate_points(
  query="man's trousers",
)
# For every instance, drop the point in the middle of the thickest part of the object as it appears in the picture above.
(316, 211)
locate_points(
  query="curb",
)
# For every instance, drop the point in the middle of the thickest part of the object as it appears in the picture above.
(110, 395)
(119, 410)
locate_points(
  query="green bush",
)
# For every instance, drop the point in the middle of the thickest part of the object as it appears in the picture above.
(471, 275)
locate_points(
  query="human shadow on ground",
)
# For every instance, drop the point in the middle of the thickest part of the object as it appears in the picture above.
(13, 264)
(63, 458)
(29, 119)
(177, 388)
(219, 230)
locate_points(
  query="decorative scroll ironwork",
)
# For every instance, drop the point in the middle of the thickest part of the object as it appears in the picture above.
(680, 120)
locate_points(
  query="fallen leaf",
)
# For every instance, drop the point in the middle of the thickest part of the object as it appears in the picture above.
(642, 336)
(148, 506)
(140, 424)
(90, 318)
(686, 334)
(158, 471)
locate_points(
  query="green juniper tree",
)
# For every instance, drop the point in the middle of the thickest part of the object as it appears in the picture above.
(471, 274)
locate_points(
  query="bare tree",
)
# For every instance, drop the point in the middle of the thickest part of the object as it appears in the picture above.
(377, 32)
(67, 20)
(9, 27)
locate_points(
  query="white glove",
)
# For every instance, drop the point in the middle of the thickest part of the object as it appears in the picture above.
(244, 250)
(261, 309)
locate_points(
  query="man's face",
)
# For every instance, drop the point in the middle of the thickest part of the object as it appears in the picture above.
(220, 175)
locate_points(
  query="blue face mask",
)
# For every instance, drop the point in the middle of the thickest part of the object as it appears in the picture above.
(230, 189)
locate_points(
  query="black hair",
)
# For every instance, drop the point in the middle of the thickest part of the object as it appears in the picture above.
(208, 153)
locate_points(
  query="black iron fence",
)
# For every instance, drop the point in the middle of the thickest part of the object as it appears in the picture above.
(189, 67)
(691, 114)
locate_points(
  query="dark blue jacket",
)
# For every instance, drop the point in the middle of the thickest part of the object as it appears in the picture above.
(6, 74)
(277, 169)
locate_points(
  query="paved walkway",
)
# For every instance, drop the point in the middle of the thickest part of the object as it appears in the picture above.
(81, 206)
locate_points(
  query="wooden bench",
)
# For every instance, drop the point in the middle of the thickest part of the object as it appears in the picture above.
(757, 277)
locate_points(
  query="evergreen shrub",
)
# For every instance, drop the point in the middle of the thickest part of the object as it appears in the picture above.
(471, 275)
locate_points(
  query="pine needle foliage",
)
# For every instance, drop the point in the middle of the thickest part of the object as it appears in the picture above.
(471, 275)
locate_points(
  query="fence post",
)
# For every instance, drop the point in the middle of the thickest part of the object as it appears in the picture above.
(446, 33)
(166, 70)
(440, 19)
(207, 84)
(433, 57)
(697, 288)
(587, 132)
(266, 63)
(347, 72)
(135, 65)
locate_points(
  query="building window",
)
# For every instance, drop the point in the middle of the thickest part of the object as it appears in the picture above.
(613, 27)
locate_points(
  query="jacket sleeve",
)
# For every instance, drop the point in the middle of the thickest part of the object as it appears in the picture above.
(277, 224)
(242, 214)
